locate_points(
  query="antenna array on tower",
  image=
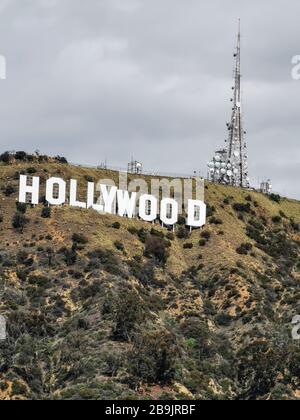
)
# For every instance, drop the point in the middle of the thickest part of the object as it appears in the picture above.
(230, 164)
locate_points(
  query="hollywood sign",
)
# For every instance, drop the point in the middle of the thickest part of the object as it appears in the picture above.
(112, 200)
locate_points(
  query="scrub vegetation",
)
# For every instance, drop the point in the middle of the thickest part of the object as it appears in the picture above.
(99, 307)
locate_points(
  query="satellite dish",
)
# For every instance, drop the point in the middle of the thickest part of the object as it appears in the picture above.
(223, 171)
(236, 154)
(223, 165)
(218, 158)
(218, 164)
(229, 165)
(229, 173)
(235, 171)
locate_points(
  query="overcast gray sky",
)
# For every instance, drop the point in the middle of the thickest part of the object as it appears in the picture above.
(100, 79)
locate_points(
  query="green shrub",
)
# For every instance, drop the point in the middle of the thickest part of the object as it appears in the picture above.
(21, 155)
(116, 225)
(170, 236)
(223, 320)
(244, 249)
(5, 157)
(9, 190)
(215, 221)
(275, 197)
(276, 219)
(79, 238)
(19, 221)
(46, 212)
(31, 171)
(206, 235)
(158, 248)
(153, 358)
(120, 246)
(242, 208)
(21, 207)
(182, 233)
(18, 388)
(129, 314)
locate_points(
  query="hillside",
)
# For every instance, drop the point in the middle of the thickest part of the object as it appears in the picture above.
(100, 307)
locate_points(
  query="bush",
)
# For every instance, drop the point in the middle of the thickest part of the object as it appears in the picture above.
(170, 236)
(62, 160)
(223, 320)
(157, 233)
(182, 233)
(129, 315)
(202, 242)
(119, 246)
(116, 225)
(143, 235)
(210, 210)
(18, 388)
(206, 235)
(21, 156)
(275, 197)
(70, 256)
(153, 358)
(158, 248)
(181, 221)
(276, 219)
(107, 258)
(244, 249)
(188, 245)
(295, 226)
(5, 157)
(242, 208)
(215, 221)
(9, 190)
(21, 207)
(19, 221)
(31, 171)
(46, 212)
(79, 238)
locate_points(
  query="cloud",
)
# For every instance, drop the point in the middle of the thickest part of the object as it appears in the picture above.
(116, 78)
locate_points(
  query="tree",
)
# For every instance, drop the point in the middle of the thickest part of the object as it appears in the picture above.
(5, 157)
(21, 155)
(129, 314)
(153, 357)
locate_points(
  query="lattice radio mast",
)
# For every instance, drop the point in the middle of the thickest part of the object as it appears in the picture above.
(230, 165)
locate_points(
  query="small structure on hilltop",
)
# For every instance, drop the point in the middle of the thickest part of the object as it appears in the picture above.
(266, 187)
(135, 167)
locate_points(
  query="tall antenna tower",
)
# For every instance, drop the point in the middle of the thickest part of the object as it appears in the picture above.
(230, 164)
